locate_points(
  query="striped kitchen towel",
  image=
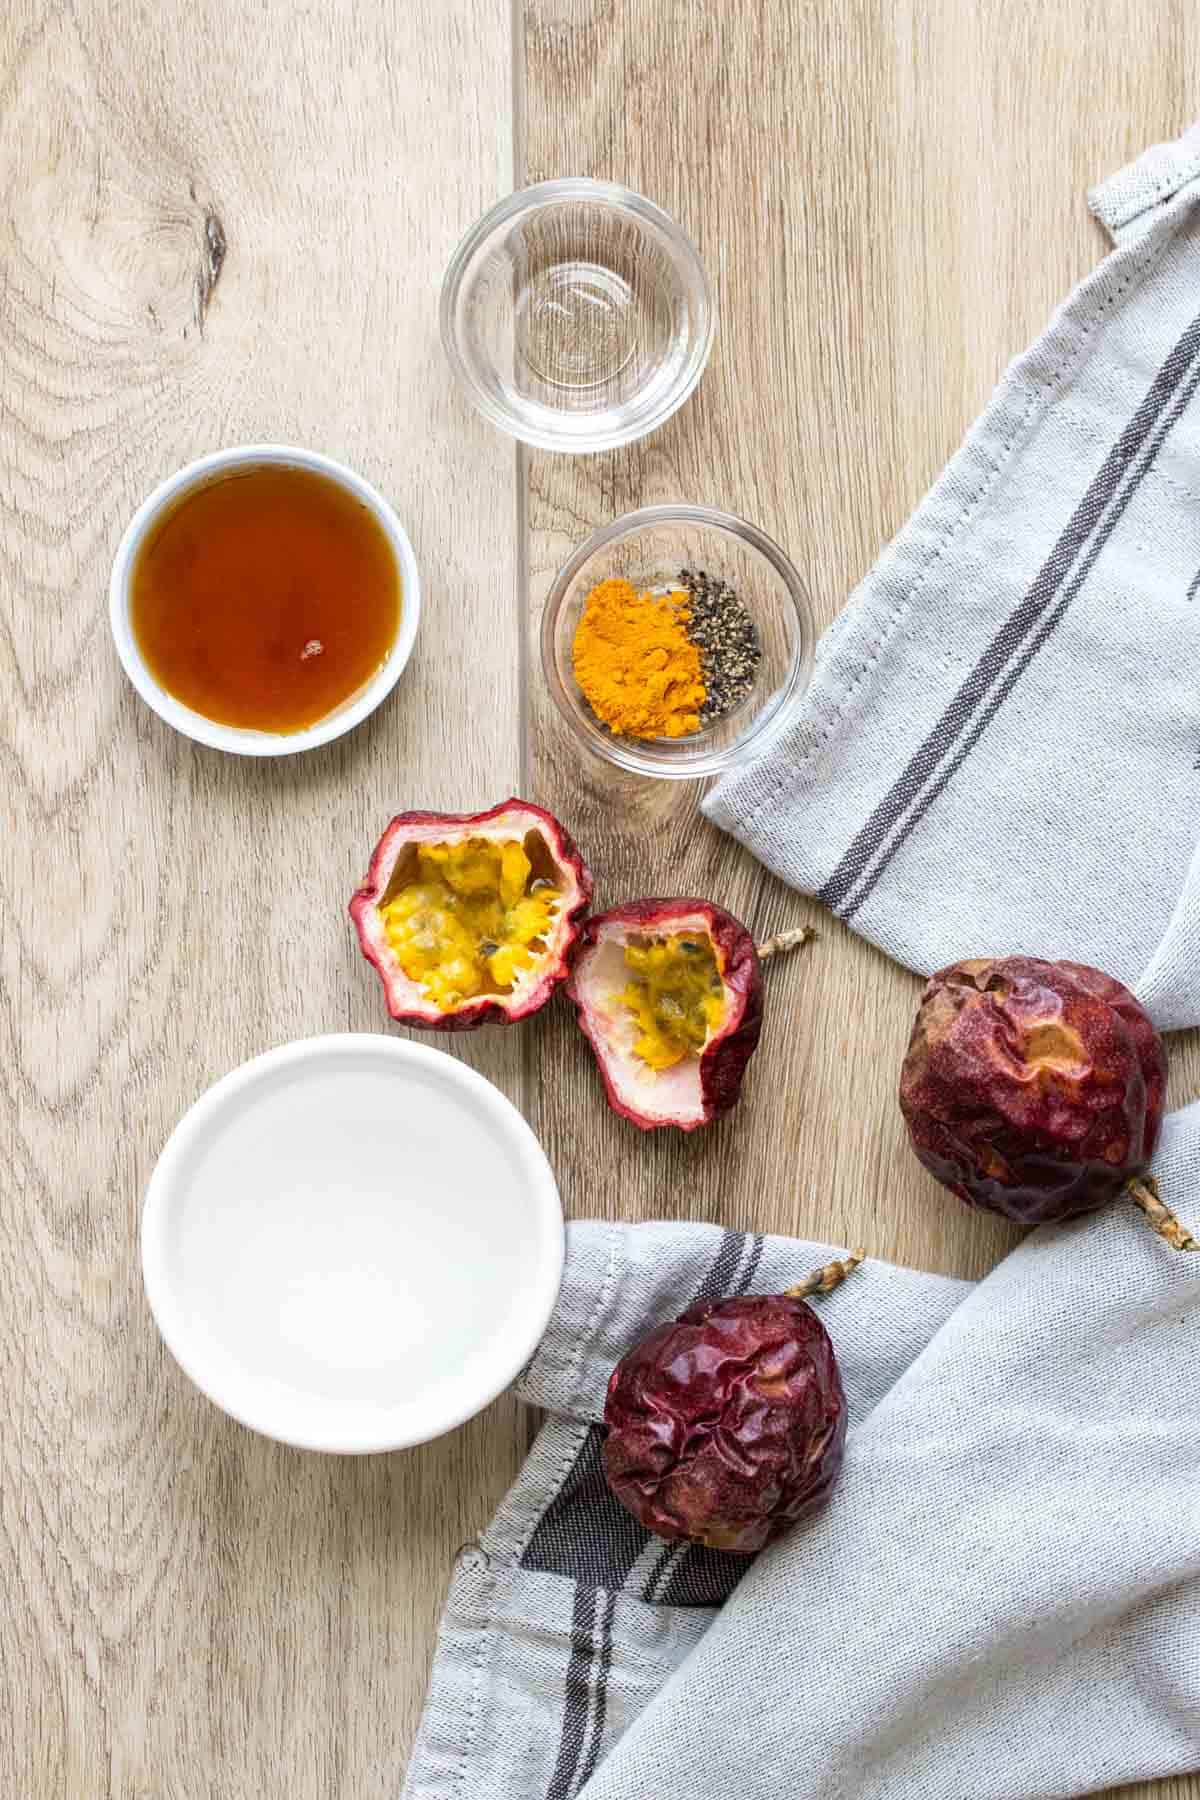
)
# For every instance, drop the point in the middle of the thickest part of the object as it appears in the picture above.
(1000, 748)
(1000, 751)
(567, 1617)
(1002, 1599)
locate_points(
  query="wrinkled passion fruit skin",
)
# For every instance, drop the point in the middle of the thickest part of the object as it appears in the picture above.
(404, 1001)
(727, 1425)
(725, 1056)
(1030, 1088)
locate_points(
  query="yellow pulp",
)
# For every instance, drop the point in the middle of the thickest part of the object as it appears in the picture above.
(676, 996)
(471, 920)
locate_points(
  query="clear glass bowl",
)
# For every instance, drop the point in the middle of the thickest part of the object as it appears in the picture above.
(577, 315)
(650, 548)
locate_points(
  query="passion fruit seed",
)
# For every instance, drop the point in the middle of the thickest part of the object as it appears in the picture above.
(728, 1425)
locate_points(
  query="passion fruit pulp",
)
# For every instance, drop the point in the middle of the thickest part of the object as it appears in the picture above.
(675, 995)
(473, 917)
(469, 918)
(669, 995)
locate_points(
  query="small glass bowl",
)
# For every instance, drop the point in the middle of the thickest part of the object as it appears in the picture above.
(651, 548)
(577, 315)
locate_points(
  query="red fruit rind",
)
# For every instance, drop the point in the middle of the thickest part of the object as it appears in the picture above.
(1031, 1088)
(699, 1088)
(512, 818)
(728, 1425)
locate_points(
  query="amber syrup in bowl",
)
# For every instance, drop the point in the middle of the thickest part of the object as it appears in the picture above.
(264, 601)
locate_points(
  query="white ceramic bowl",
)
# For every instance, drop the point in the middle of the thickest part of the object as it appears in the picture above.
(230, 737)
(352, 1243)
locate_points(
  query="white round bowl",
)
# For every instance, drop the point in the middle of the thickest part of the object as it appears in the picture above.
(352, 1243)
(231, 737)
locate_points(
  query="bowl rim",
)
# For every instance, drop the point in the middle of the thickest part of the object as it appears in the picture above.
(561, 188)
(628, 754)
(537, 1299)
(238, 740)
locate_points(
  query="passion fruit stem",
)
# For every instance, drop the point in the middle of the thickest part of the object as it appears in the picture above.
(823, 1281)
(784, 941)
(1143, 1191)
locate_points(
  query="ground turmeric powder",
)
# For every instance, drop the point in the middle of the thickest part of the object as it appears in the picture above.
(638, 668)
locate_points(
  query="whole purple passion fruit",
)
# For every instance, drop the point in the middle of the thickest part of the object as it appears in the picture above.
(729, 1424)
(1035, 1089)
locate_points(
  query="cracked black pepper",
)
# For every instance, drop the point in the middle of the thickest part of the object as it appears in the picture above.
(725, 635)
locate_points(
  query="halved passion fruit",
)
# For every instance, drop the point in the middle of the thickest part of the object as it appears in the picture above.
(469, 917)
(669, 994)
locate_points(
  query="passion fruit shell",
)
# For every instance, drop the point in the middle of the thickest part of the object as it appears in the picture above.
(555, 861)
(700, 1087)
(1031, 1088)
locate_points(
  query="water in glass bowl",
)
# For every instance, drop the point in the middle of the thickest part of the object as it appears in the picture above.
(577, 315)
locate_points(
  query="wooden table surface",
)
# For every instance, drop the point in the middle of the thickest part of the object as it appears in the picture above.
(216, 227)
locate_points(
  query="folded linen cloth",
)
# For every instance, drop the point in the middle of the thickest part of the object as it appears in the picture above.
(999, 752)
(567, 1616)
(1002, 1599)
(1001, 1602)
(1000, 748)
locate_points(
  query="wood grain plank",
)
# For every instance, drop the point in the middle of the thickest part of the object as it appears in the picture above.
(889, 195)
(188, 1609)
